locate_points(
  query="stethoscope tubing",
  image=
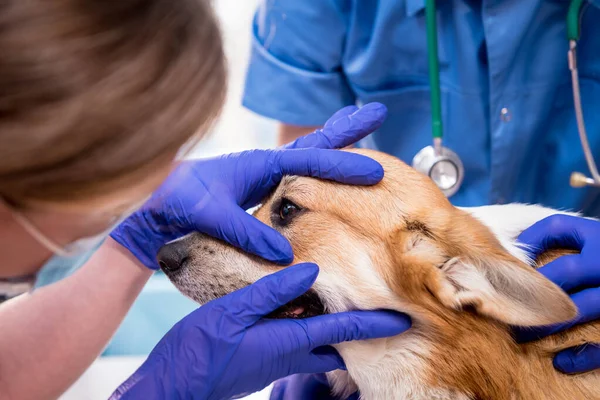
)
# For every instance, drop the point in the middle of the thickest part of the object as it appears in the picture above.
(426, 164)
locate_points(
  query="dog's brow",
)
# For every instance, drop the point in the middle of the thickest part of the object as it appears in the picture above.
(286, 181)
(289, 179)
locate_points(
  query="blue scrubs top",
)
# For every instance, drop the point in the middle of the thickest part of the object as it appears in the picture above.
(506, 93)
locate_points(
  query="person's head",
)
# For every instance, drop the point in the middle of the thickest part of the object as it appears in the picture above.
(97, 98)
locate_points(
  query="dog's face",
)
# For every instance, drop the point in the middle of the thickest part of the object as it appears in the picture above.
(399, 244)
(349, 231)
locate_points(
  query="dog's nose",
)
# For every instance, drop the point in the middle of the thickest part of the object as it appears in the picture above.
(172, 256)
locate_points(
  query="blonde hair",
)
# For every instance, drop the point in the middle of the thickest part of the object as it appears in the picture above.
(96, 95)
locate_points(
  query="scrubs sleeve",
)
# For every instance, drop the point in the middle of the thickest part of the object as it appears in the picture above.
(295, 74)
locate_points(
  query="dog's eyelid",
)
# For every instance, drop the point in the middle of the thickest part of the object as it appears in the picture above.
(277, 203)
(277, 219)
(293, 202)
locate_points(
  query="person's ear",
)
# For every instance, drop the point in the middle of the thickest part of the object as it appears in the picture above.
(503, 288)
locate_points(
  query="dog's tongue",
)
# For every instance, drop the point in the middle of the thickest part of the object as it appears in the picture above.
(298, 311)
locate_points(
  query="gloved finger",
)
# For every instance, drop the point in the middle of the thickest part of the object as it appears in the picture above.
(246, 232)
(556, 231)
(342, 113)
(319, 139)
(572, 271)
(345, 127)
(324, 359)
(350, 129)
(588, 306)
(340, 166)
(355, 325)
(578, 359)
(271, 292)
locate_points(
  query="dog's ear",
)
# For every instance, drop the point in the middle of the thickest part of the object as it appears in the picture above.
(501, 287)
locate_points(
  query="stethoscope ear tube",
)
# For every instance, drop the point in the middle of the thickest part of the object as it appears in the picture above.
(578, 179)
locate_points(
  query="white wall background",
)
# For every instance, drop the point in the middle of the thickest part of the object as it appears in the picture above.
(236, 130)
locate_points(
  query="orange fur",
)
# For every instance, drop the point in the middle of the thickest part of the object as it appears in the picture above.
(475, 354)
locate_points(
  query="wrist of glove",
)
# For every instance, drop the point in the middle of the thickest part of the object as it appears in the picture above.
(577, 274)
(305, 386)
(211, 195)
(226, 348)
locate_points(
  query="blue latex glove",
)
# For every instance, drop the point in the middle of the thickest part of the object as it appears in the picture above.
(226, 348)
(578, 275)
(211, 195)
(305, 386)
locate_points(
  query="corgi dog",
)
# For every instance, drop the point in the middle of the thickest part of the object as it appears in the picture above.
(401, 245)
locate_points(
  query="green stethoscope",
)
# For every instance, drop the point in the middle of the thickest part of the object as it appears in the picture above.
(443, 165)
(573, 33)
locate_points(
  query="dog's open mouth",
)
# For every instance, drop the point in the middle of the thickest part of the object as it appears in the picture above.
(305, 306)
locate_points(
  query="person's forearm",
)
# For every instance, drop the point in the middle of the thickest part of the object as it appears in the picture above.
(289, 133)
(49, 337)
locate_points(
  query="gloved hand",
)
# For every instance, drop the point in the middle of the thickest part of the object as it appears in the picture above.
(211, 195)
(305, 386)
(578, 275)
(226, 349)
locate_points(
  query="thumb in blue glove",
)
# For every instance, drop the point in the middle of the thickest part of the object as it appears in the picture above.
(226, 348)
(578, 359)
(578, 274)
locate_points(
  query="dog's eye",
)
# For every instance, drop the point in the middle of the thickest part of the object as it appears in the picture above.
(287, 209)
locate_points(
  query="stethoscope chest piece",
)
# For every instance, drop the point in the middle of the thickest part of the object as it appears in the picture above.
(442, 165)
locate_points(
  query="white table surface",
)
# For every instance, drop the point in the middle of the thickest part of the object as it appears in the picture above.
(107, 373)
